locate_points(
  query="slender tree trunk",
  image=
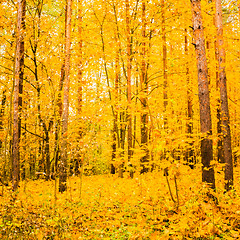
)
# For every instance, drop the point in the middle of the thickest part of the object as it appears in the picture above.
(58, 120)
(116, 110)
(47, 149)
(21, 74)
(220, 154)
(203, 94)
(165, 80)
(3, 155)
(3, 104)
(79, 156)
(189, 152)
(129, 90)
(64, 143)
(17, 89)
(123, 120)
(227, 148)
(144, 89)
(135, 116)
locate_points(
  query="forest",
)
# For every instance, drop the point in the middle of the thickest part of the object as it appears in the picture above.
(119, 119)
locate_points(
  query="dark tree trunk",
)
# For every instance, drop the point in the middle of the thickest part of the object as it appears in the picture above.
(144, 90)
(57, 126)
(189, 154)
(129, 72)
(203, 94)
(115, 117)
(17, 90)
(227, 148)
(3, 104)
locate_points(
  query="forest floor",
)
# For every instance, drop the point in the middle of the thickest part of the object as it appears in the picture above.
(113, 208)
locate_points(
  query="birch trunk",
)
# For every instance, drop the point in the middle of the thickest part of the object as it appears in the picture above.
(64, 143)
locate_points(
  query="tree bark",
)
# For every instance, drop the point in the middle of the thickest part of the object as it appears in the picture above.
(64, 143)
(203, 94)
(189, 156)
(3, 104)
(220, 153)
(129, 90)
(165, 78)
(144, 91)
(58, 120)
(115, 143)
(79, 157)
(19, 60)
(227, 148)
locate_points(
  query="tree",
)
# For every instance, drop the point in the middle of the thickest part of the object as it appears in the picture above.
(2, 110)
(164, 62)
(64, 144)
(227, 147)
(17, 102)
(115, 135)
(203, 94)
(129, 88)
(144, 93)
(79, 159)
(189, 151)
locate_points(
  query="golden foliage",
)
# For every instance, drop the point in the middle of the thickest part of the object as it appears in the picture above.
(113, 208)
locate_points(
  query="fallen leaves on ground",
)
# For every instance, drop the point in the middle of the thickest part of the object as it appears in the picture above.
(114, 208)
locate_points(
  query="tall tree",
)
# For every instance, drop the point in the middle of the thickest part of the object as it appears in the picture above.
(164, 62)
(227, 148)
(189, 151)
(78, 163)
(129, 88)
(203, 94)
(17, 102)
(144, 89)
(115, 143)
(2, 110)
(64, 143)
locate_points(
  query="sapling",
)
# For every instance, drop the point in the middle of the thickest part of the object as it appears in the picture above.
(176, 201)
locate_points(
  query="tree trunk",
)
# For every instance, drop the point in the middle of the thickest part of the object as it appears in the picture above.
(64, 143)
(144, 90)
(129, 90)
(47, 149)
(165, 80)
(3, 156)
(79, 156)
(203, 94)
(17, 90)
(116, 111)
(58, 124)
(220, 154)
(3, 104)
(189, 156)
(227, 148)
(123, 120)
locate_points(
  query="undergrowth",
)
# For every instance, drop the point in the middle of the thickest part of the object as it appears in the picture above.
(113, 208)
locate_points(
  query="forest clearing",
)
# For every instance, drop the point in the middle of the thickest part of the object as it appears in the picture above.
(119, 119)
(109, 207)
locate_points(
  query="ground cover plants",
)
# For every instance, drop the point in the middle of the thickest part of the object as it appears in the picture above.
(108, 207)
